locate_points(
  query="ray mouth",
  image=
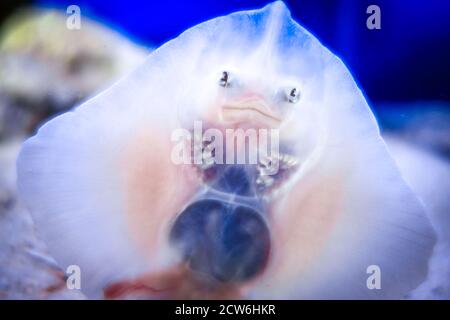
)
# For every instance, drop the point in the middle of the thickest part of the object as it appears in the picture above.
(255, 112)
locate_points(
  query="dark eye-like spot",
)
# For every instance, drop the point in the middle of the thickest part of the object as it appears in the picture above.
(225, 79)
(292, 95)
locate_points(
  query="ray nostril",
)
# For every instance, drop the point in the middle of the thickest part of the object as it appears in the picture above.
(230, 243)
(293, 95)
(225, 79)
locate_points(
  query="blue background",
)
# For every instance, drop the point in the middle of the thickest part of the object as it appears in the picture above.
(408, 59)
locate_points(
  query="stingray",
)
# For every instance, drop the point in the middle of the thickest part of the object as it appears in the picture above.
(106, 194)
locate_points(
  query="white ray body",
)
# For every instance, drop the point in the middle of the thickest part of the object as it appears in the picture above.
(103, 191)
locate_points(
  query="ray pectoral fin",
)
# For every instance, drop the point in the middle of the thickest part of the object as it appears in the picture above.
(101, 190)
(156, 189)
(302, 224)
(343, 217)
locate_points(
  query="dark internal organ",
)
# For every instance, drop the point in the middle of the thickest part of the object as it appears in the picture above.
(221, 241)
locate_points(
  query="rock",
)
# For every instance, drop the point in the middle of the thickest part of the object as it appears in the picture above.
(46, 68)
